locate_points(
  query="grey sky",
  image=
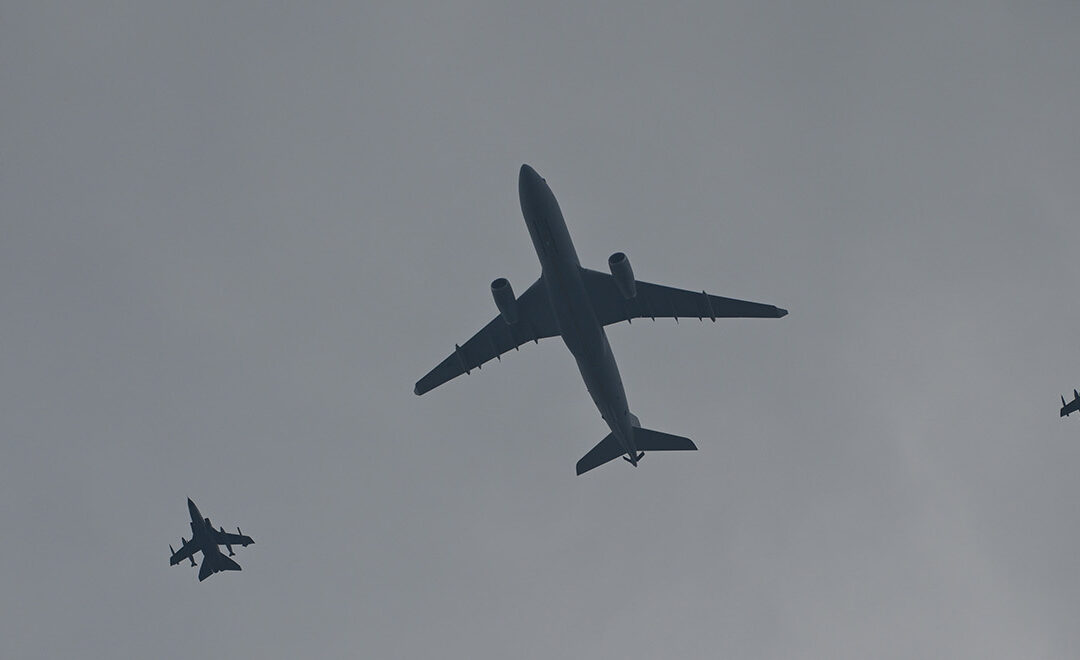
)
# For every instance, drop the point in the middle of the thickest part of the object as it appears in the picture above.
(234, 235)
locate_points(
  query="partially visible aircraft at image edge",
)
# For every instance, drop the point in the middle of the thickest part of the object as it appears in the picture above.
(1072, 406)
(576, 303)
(206, 539)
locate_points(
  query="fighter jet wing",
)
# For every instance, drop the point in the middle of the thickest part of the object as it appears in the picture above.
(187, 550)
(535, 322)
(657, 301)
(221, 537)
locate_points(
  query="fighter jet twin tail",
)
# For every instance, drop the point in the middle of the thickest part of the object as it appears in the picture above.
(206, 539)
(576, 303)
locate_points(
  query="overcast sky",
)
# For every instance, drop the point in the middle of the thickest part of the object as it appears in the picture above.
(233, 236)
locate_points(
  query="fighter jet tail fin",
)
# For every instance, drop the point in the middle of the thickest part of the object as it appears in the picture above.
(609, 448)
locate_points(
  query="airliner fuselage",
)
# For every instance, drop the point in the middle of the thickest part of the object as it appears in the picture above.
(581, 331)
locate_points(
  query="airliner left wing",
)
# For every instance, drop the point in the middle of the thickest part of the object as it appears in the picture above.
(657, 301)
(535, 322)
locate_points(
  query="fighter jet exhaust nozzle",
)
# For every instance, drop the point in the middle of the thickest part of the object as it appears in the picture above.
(503, 294)
(620, 269)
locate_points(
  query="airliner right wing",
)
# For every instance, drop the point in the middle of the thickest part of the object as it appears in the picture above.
(657, 301)
(536, 320)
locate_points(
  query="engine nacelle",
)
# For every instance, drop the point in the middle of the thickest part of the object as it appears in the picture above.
(623, 274)
(504, 300)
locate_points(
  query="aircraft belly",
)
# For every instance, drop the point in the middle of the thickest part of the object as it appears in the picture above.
(587, 342)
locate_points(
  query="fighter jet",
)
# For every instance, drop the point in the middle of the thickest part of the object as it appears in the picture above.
(1072, 406)
(206, 539)
(576, 303)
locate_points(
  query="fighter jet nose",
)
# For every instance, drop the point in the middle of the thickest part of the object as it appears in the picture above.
(189, 502)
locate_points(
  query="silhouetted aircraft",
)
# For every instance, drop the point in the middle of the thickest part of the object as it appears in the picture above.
(1072, 406)
(206, 539)
(576, 303)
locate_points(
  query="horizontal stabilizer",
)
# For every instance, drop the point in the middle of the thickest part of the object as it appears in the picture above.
(223, 563)
(216, 564)
(647, 440)
(606, 450)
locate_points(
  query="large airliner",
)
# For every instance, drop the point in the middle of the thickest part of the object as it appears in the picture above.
(576, 303)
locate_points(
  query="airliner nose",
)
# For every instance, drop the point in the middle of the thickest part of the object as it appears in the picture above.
(528, 183)
(527, 173)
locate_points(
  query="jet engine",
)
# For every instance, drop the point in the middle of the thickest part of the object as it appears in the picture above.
(504, 300)
(623, 274)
